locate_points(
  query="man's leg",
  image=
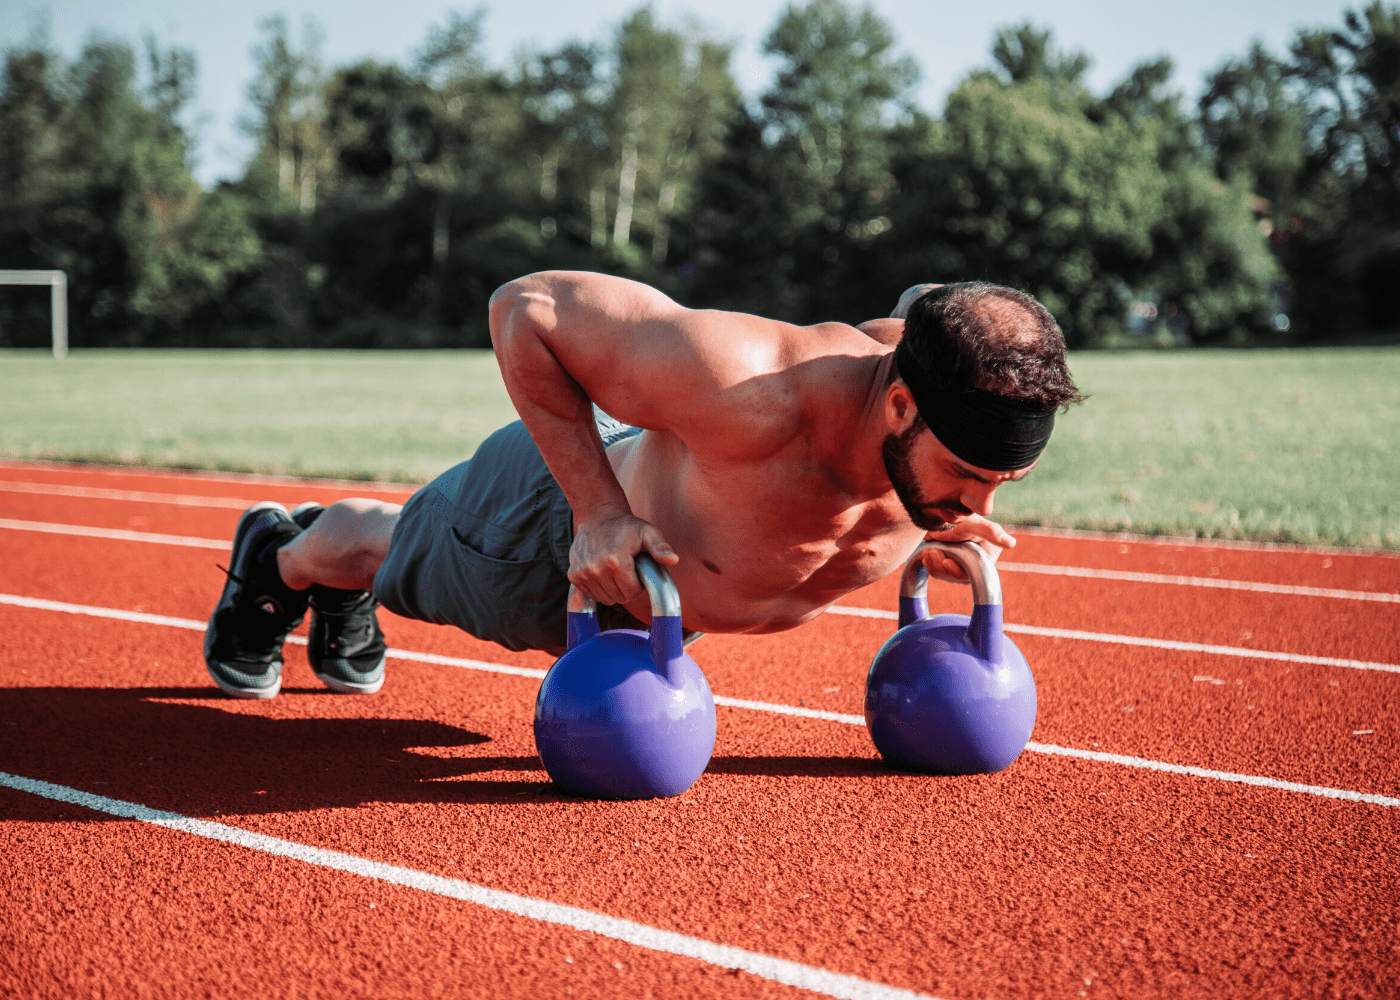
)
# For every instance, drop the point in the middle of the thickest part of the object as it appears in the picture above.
(343, 548)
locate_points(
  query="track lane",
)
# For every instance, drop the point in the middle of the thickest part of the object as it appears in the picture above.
(182, 480)
(1025, 876)
(1270, 622)
(766, 772)
(224, 921)
(494, 665)
(1083, 687)
(1295, 565)
(1298, 565)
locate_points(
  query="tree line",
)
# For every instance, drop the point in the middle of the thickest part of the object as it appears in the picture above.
(385, 201)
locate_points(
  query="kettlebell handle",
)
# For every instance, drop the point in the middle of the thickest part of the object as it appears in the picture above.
(665, 598)
(984, 627)
(974, 560)
(667, 639)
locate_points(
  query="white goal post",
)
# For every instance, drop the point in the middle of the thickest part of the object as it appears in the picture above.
(58, 285)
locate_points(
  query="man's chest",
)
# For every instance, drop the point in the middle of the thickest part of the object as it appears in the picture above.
(791, 531)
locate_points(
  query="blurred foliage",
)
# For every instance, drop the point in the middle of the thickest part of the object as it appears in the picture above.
(384, 202)
(95, 179)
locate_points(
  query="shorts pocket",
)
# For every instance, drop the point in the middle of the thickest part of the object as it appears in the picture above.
(518, 603)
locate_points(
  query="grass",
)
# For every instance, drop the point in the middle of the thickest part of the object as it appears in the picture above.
(1295, 445)
(387, 416)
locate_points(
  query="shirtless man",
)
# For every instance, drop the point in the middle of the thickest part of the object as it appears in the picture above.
(771, 468)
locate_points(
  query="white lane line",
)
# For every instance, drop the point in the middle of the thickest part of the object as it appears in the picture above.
(1200, 647)
(776, 970)
(141, 617)
(117, 533)
(1076, 571)
(1119, 537)
(1137, 640)
(39, 604)
(1054, 633)
(777, 709)
(136, 496)
(1203, 772)
(757, 706)
(1202, 581)
(87, 469)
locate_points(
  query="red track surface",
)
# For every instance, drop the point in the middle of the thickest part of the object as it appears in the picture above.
(1060, 877)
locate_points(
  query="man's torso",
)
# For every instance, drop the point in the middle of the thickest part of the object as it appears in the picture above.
(769, 531)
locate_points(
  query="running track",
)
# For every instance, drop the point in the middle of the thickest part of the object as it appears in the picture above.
(1209, 807)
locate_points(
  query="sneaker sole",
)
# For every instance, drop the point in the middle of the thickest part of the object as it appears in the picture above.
(348, 687)
(223, 685)
(246, 693)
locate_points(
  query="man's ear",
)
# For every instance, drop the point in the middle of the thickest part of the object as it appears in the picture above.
(900, 411)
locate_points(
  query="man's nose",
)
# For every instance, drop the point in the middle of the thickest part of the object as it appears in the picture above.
(979, 501)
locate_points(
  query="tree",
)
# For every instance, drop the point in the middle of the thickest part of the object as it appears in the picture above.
(1347, 239)
(1031, 181)
(671, 97)
(96, 175)
(804, 186)
(286, 119)
(1254, 125)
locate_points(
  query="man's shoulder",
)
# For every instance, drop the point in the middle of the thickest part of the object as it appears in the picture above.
(786, 386)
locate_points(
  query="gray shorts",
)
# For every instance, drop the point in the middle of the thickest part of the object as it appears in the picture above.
(485, 546)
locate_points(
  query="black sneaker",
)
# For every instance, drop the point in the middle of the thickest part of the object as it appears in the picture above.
(243, 644)
(346, 647)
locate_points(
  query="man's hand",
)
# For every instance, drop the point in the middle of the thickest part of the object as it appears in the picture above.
(976, 528)
(601, 558)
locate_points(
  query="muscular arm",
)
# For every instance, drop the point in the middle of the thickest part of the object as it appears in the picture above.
(566, 340)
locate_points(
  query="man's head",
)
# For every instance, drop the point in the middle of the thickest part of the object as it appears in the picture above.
(983, 368)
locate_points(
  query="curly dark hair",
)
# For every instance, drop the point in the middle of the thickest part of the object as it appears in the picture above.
(976, 335)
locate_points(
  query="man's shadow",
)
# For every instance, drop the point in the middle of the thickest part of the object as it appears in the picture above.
(177, 749)
(138, 745)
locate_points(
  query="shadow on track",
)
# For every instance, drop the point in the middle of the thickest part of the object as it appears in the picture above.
(181, 750)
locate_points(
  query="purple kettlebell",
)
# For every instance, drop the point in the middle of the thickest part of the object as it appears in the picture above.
(624, 714)
(950, 694)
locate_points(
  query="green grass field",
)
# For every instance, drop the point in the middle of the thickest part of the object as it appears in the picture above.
(1288, 445)
(1295, 445)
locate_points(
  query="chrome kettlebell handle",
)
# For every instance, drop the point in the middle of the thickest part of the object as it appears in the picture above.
(974, 560)
(666, 637)
(665, 598)
(984, 627)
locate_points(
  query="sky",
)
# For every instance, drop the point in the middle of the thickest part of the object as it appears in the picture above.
(946, 39)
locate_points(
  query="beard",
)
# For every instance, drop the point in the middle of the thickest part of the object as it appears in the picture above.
(925, 513)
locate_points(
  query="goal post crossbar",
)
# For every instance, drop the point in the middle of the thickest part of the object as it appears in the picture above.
(58, 285)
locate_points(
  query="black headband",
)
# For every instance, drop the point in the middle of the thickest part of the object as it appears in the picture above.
(983, 429)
